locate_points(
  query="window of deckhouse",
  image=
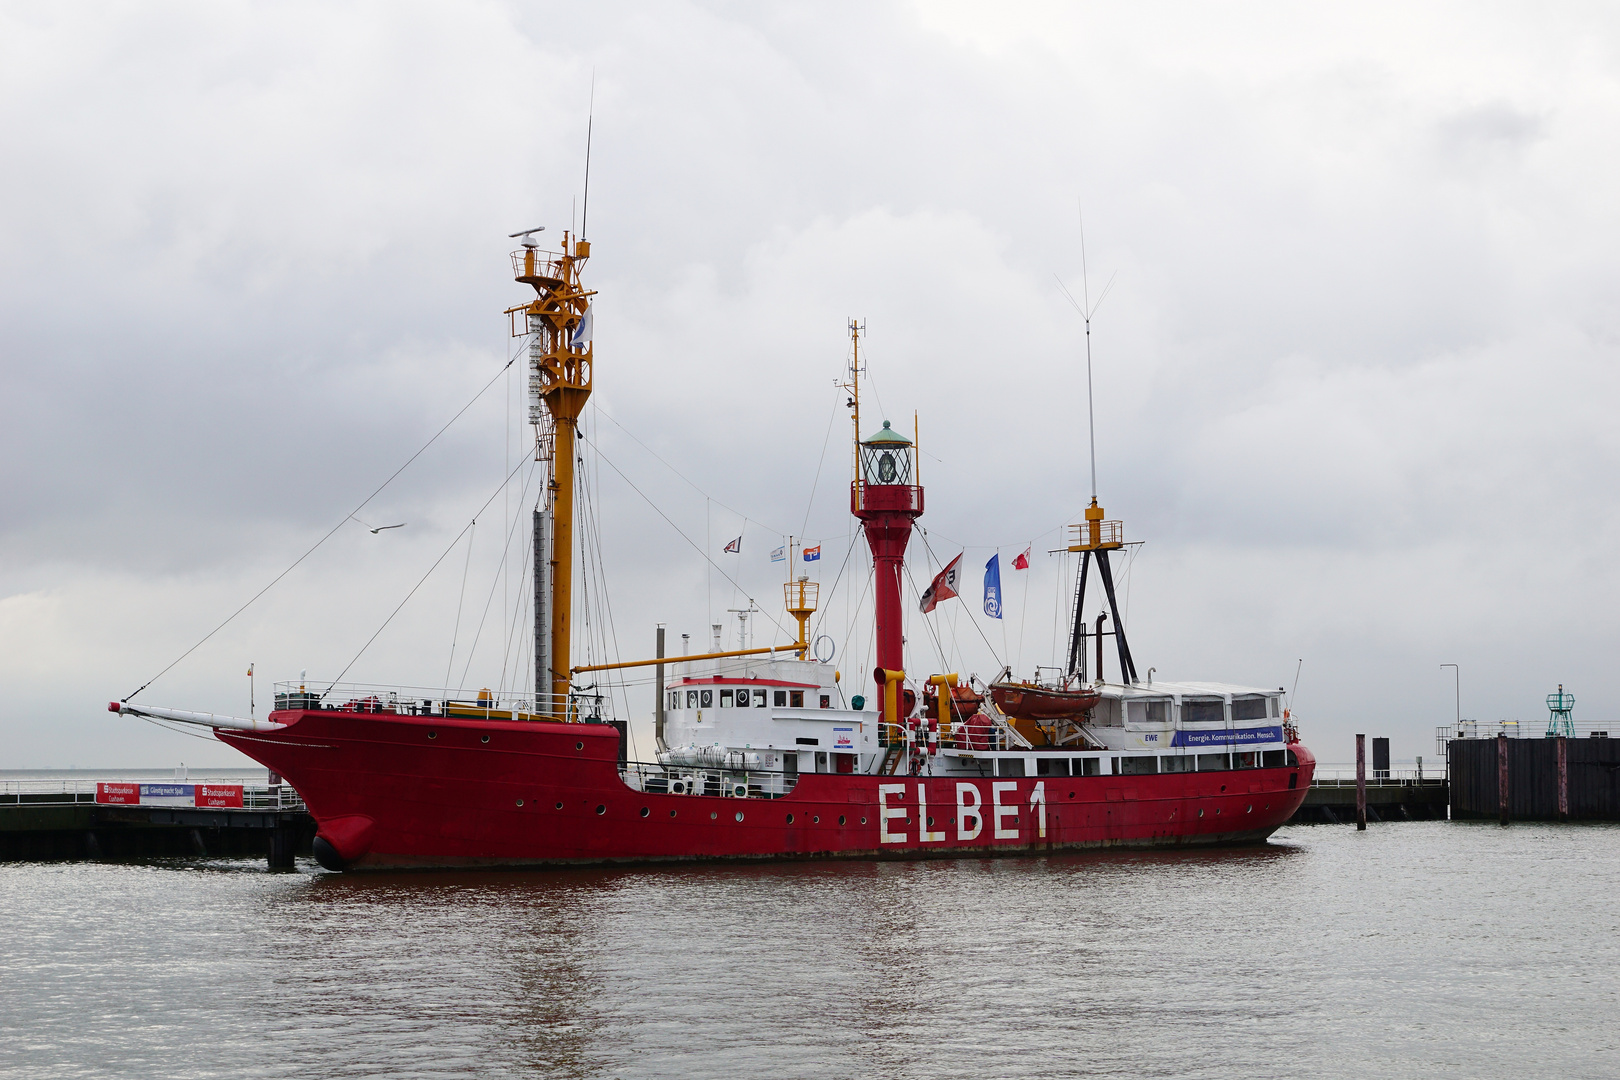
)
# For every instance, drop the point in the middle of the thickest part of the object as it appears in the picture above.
(691, 699)
(759, 699)
(781, 699)
(1202, 710)
(706, 698)
(1154, 711)
(796, 699)
(1249, 708)
(725, 699)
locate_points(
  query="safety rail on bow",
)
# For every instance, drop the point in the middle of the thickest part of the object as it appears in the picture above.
(475, 704)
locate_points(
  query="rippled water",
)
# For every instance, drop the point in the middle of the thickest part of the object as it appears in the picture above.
(1423, 949)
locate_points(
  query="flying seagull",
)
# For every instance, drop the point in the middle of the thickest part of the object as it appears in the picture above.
(380, 528)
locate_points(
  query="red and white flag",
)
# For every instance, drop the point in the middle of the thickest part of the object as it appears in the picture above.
(1022, 561)
(735, 547)
(943, 587)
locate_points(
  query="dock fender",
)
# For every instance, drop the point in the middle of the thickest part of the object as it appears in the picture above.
(340, 841)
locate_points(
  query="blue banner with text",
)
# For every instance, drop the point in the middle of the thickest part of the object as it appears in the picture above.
(1228, 737)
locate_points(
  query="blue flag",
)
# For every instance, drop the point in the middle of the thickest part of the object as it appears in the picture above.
(992, 586)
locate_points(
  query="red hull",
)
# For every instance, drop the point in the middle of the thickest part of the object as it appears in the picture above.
(406, 791)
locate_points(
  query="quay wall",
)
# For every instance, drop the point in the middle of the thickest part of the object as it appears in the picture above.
(1592, 771)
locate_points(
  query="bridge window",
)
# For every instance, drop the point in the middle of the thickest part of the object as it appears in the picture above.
(706, 698)
(826, 701)
(725, 699)
(796, 699)
(1248, 708)
(759, 699)
(691, 699)
(781, 699)
(1202, 710)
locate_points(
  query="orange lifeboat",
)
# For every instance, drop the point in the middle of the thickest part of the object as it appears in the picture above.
(1031, 701)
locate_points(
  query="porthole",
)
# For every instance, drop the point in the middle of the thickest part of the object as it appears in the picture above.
(930, 821)
(1200, 813)
(1250, 809)
(1217, 811)
(840, 819)
(520, 802)
(559, 806)
(863, 821)
(1071, 794)
(739, 815)
(816, 820)
(713, 816)
(672, 813)
(600, 809)
(581, 746)
(433, 734)
(1223, 788)
(645, 811)
(790, 819)
(484, 738)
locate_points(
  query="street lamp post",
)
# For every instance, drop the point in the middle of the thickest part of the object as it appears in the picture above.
(1456, 675)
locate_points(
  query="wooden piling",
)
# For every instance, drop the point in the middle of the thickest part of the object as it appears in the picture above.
(1502, 777)
(1361, 783)
(1563, 778)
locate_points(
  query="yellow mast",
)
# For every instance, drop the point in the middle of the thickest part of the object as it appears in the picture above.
(560, 366)
(856, 329)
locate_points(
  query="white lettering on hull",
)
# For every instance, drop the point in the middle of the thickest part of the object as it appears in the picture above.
(970, 812)
(887, 814)
(966, 810)
(998, 789)
(923, 832)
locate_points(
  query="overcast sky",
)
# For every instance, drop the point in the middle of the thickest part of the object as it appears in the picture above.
(1355, 377)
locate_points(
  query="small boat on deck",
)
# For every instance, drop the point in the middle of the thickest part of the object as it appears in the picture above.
(1031, 701)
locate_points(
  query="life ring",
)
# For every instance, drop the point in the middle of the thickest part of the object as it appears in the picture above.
(832, 648)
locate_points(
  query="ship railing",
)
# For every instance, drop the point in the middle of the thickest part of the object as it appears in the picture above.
(67, 792)
(479, 703)
(657, 779)
(958, 738)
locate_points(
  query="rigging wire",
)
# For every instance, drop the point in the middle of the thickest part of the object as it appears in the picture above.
(456, 632)
(472, 650)
(825, 440)
(330, 534)
(713, 566)
(425, 576)
(971, 619)
(684, 478)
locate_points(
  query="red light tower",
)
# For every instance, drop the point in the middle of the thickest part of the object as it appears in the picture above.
(887, 499)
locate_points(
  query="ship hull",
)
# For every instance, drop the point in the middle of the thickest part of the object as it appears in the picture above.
(393, 792)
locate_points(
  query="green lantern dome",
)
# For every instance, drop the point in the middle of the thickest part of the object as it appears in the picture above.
(887, 437)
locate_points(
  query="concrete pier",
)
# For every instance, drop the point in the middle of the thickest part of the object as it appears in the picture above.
(52, 828)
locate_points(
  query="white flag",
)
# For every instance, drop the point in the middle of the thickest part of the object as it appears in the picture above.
(582, 332)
